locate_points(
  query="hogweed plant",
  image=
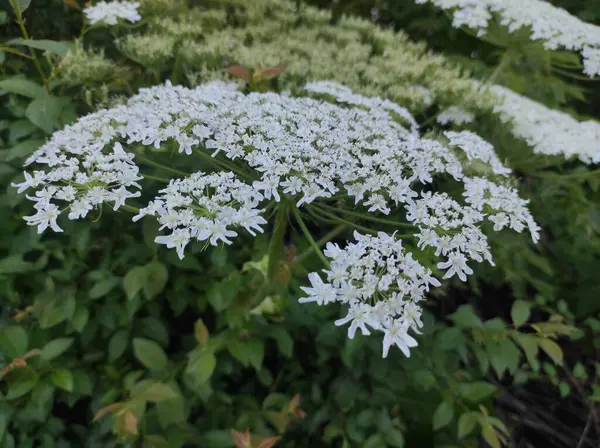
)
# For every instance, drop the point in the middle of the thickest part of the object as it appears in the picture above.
(322, 153)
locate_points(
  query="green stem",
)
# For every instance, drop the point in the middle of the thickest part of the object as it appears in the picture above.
(276, 243)
(320, 243)
(313, 211)
(367, 217)
(222, 164)
(501, 67)
(156, 178)
(36, 61)
(13, 51)
(308, 236)
(158, 165)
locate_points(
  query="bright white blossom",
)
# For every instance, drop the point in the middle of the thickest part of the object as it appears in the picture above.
(477, 148)
(205, 207)
(109, 13)
(554, 26)
(548, 131)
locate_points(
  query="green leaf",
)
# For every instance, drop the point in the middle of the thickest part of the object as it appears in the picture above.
(23, 4)
(553, 350)
(394, 438)
(13, 341)
(55, 348)
(503, 355)
(157, 275)
(80, 319)
(284, 341)
(564, 388)
(45, 112)
(21, 381)
(466, 423)
(529, 344)
(579, 371)
(22, 150)
(476, 391)
(134, 281)
(60, 48)
(443, 415)
(150, 354)
(103, 287)
(490, 436)
(200, 332)
(62, 378)
(156, 392)
(222, 294)
(520, 312)
(155, 441)
(171, 411)
(465, 317)
(23, 87)
(201, 366)
(249, 352)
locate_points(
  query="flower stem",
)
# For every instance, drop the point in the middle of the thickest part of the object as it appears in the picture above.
(276, 243)
(321, 242)
(308, 236)
(158, 165)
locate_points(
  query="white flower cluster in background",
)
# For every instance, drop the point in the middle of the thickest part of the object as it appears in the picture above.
(109, 13)
(203, 206)
(303, 148)
(550, 24)
(455, 115)
(548, 131)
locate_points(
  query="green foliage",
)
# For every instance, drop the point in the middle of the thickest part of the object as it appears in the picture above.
(106, 340)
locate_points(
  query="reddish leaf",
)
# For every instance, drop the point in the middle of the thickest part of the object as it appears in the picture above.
(108, 409)
(238, 71)
(269, 442)
(72, 4)
(272, 72)
(241, 439)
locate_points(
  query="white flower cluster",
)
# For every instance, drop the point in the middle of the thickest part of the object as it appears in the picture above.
(380, 283)
(110, 13)
(548, 131)
(80, 175)
(303, 148)
(203, 206)
(455, 115)
(554, 26)
(477, 148)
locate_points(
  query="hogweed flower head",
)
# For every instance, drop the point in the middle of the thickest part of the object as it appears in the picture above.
(352, 151)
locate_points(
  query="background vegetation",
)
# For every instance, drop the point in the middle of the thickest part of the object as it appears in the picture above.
(107, 340)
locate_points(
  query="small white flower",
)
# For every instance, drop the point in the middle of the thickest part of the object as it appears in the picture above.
(178, 240)
(320, 292)
(44, 218)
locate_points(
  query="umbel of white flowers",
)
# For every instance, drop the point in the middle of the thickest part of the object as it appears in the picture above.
(365, 151)
(110, 13)
(548, 23)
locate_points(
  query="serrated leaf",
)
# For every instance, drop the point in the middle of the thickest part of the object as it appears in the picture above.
(564, 388)
(80, 319)
(13, 341)
(23, 87)
(443, 415)
(520, 312)
(103, 287)
(55, 348)
(284, 341)
(466, 424)
(249, 352)
(503, 355)
(149, 354)
(63, 379)
(552, 349)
